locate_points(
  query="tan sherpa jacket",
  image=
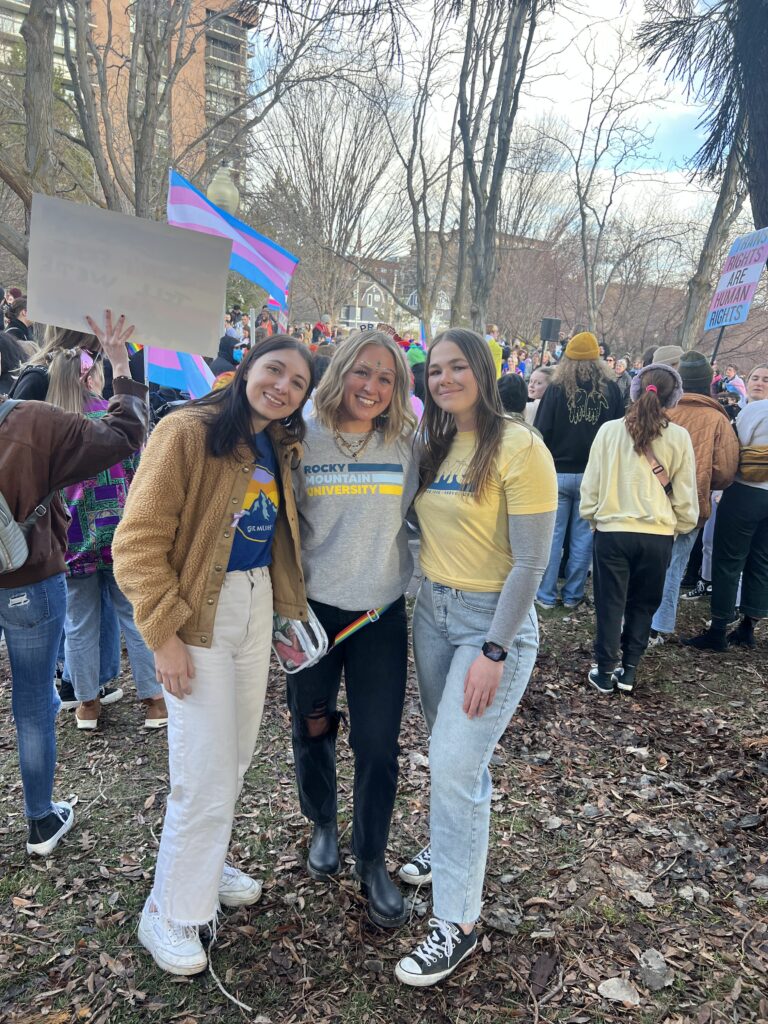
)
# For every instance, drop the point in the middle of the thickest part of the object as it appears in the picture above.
(172, 547)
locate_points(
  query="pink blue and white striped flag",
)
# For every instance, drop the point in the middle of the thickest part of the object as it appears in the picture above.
(180, 370)
(257, 258)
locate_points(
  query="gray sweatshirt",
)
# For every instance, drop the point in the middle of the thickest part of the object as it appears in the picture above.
(352, 515)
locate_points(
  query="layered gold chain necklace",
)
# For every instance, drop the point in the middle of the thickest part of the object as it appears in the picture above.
(353, 449)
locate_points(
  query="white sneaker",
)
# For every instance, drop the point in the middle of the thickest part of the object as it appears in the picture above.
(175, 948)
(656, 641)
(236, 889)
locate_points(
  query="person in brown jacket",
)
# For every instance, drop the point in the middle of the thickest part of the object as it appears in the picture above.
(42, 449)
(716, 449)
(208, 546)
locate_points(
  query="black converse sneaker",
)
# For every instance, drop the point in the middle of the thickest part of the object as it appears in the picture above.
(45, 833)
(418, 871)
(603, 682)
(625, 678)
(437, 956)
(702, 589)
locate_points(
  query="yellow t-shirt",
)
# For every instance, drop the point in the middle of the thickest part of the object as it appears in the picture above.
(464, 542)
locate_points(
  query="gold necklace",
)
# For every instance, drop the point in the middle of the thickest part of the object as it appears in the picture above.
(353, 449)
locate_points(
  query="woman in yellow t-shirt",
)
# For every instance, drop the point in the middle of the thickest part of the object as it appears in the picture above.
(486, 505)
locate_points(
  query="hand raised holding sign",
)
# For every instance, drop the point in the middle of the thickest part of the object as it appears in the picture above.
(112, 338)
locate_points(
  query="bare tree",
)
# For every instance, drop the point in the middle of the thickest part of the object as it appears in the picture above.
(127, 82)
(336, 151)
(603, 152)
(730, 201)
(497, 46)
(428, 162)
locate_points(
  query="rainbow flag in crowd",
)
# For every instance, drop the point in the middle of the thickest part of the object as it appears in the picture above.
(133, 347)
(180, 370)
(256, 257)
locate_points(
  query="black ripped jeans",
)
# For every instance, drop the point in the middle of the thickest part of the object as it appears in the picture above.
(374, 661)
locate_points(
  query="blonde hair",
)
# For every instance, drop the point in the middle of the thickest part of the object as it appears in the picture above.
(398, 420)
(67, 388)
(58, 339)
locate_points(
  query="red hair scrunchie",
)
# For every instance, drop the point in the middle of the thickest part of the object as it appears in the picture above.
(652, 387)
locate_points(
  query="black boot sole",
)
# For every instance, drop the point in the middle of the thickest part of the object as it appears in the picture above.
(321, 876)
(374, 915)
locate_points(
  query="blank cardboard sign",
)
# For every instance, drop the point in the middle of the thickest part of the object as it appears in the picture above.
(169, 282)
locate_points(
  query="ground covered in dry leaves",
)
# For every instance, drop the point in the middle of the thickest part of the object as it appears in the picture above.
(627, 879)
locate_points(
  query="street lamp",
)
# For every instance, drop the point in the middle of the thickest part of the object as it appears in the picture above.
(222, 190)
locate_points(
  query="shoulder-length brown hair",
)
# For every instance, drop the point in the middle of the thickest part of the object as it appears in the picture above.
(398, 420)
(438, 428)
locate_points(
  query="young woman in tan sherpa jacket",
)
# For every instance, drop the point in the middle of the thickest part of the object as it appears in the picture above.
(208, 545)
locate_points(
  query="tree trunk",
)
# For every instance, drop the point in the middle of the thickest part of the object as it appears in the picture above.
(727, 209)
(750, 34)
(38, 29)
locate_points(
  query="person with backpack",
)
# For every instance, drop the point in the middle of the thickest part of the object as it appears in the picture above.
(32, 384)
(43, 449)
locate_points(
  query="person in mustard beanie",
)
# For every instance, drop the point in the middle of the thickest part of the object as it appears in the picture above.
(582, 396)
(582, 346)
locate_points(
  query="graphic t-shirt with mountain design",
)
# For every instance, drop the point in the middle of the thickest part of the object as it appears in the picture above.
(254, 525)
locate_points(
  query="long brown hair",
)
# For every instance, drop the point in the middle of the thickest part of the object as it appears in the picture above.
(646, 417)
(438, 428)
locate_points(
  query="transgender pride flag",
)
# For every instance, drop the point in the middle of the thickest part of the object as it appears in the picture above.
(257, 258)
(180, 370)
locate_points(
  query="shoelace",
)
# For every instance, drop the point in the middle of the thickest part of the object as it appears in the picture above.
(440, 943)
(181, 932)
(424, 859)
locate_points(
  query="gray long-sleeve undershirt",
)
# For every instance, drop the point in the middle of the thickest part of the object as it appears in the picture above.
(530, 537)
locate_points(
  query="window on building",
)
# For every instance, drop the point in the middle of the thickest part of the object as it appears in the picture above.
(221, 78)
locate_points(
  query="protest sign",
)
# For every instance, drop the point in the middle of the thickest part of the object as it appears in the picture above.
(738, 280)
(170, 283)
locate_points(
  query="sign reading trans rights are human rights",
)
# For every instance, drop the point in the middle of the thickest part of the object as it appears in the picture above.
(738, 280)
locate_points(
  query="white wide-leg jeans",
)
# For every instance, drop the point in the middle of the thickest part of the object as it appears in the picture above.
(212, 733)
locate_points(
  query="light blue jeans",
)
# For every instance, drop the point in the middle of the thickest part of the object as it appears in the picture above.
(109, 644)
(666, 614)
(31, 617)
(449, 629)
(580, 544)
(82, 632)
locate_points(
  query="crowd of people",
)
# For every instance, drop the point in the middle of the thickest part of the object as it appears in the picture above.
(290, 490)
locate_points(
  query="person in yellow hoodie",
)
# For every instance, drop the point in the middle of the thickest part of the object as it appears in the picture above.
(638, 493)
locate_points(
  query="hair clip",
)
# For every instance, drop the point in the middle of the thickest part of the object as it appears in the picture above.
(86, 363)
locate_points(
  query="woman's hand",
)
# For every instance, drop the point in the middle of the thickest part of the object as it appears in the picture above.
(174, 667)
(481, 685)
(112, 338)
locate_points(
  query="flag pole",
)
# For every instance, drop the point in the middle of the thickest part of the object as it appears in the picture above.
(720, 334)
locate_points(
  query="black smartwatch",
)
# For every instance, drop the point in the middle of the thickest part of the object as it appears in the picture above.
(493, 651)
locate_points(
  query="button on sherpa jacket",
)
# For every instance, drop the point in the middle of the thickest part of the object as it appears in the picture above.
(172, 547)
